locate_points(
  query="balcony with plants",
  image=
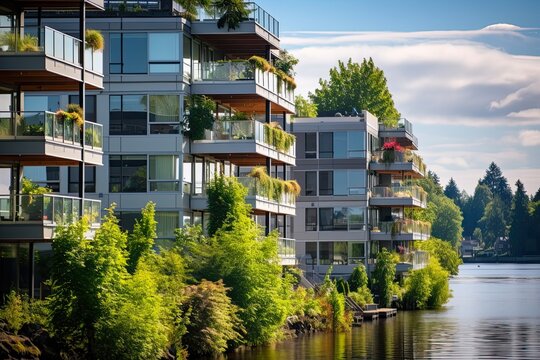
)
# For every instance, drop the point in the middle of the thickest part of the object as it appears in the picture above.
(35, 216)
(53, 137)
(402, 133)
(400, 230)
(255, 77)
(394, 158)
(287, 251)
(265, 193)
(41, 57)
(246, 140)
(401, 195)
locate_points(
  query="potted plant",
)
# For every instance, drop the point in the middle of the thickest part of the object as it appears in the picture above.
(94, 39)
(389, 151)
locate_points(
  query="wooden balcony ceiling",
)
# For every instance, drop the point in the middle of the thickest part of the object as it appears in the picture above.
(40, 80)
(238, 46)
(36, 160)
(51, 4)
(248, 104)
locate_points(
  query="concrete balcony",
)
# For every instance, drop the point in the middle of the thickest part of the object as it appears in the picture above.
(252, 37)
(243, 87)
(400, 230)
(244, 142)
(40, 138)
(391, 161)
(44, 59)
(34, 217)
(260, 199)
(402, 196)
(403, 133)
(59, 4)
(287, 251)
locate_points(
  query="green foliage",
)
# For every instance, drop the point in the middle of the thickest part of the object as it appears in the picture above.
(444, 252)
(427, 288)
(498, 185)
(286, 63)
(519, 226)
(273, 188)
(448, 219)
(94, 39)
(260, 63)
(15, 312)
(493, 223)
(358, 278)
(473, 208)
(233, 13)
(452, 191)
(383, 276)
(190, 7)
(362, 296)
(15, 42)
(213, 320)
(226, 202)
(275, 136)
(339, 318)
(200, 116)
(141, 240)
(361, 86)
(342, 286)
(305, 107)
(30, 188)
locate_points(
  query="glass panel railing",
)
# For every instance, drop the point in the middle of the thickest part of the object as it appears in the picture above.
(47, 208)
(93, 135)
(133, 5)
(286, 248)
(227, 71)
(402, 226)
(256, 13)
(256, 188)
(393, 157)
(414, 191)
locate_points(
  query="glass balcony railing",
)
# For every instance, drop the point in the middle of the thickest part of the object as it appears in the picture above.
(417, 258)
(396, 157)
(56, 44)
(286, 248)
(402, 226)
(256, 188)
(403, 124)
(243, 70)
(243, 130)
(24, 124)
(414, 192)
(48, 208)
(256, 13)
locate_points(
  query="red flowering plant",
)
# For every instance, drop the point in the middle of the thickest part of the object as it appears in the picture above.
(389, 151)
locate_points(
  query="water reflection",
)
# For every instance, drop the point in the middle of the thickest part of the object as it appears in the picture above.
(494, 314)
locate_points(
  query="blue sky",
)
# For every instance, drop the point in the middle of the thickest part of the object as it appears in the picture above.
(466, 73)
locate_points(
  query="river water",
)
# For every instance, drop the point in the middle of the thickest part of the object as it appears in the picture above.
(494, 314)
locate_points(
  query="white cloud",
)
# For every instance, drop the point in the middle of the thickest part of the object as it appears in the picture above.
(509, 27)
(530, 137)
(527, 114)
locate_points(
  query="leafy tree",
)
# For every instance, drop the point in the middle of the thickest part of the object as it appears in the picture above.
(427, 288)
(358, 278)
(519, 226)
(493, 224)
(452, 191)
(498, 185)
(286, 62)
(213, 320)
(199, 116)
(361, 86)
(233, 13)
(141, 240)
(444, 252)
(383, 276)
(477, 234)
(473, 210)
(447, 223)
(304, 107)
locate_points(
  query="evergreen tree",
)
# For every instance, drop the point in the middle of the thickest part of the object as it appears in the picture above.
(533, 245)
(359, 86)
(452, 191)
(536, 196)
(434, 177)
(519, 225)
(498, 185)
(493, 223)
(475, 207)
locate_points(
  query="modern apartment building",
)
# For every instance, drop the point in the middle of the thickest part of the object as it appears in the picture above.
(35, 58)
(357, 193)
(154, 61)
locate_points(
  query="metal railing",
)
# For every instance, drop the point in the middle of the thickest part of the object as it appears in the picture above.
(24, 124)
(239, 70)
(48, 208)
(414, 192)
(393, 157)
(256, 188)
(241, 130)
(402, 124)
(54, 43)
(133, 5)
(402, 226)
(256, 13)
(286, 248)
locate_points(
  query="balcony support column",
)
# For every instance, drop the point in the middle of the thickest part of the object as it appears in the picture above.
(15, 188)
(268, 111)
(39, 24)
(82, 101)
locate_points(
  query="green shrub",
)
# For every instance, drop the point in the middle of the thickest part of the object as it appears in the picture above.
(444, 252)
(200, 116)
(362, 296)
(383, 276)
(94, 39)
(15, 311)
(358, 278)
(427, 288)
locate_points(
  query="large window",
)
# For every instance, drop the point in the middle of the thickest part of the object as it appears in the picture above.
(167, 222)
(89, 179)
(164, 114)
(128, 115)
(310, 188)
(129, 53)
(127, 173)
(47, 176)
(340, 145)
(326, 145)
(311, 253)
(187, 58)
(356, 144)
(337, 145)
(340, 182)
(164, 52)
(311, 219)
(339, 219)
(90, 108)
(310, 145)
(333, 253)
(326, 183)
(164, 173)
(356, 218)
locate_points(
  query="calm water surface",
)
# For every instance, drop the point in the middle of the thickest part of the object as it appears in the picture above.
(494, 314)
